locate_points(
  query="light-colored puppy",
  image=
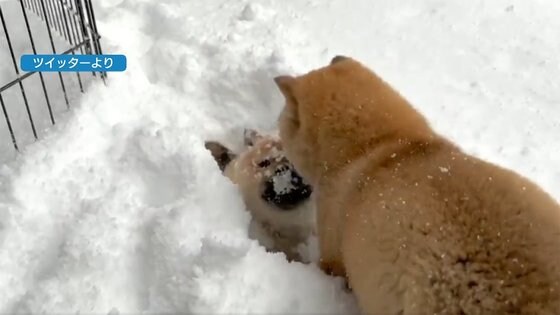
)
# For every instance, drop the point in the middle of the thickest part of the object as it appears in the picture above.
(275, 194)
(416, 225)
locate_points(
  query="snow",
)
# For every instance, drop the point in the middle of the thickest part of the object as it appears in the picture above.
(121, 209)
(283, 183)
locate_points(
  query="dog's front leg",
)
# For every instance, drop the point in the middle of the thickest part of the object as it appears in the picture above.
(329, 232)
(330, 261)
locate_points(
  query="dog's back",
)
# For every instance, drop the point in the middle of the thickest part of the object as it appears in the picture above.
(452, 235)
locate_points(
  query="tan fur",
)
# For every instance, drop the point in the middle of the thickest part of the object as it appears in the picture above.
(276, 230)
(416, 225)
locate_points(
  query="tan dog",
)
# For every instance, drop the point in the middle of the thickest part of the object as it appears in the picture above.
(416, 225)
(275, 194)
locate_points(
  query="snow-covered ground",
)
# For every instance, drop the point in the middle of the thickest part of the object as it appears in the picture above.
(121, 209)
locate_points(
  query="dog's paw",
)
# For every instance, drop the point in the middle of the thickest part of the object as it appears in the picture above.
(347, 287)
(332, 268)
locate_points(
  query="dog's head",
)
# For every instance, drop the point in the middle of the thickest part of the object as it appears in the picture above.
(333, 113)
(262, 171)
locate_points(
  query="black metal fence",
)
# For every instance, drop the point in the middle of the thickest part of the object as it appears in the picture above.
(72, 21)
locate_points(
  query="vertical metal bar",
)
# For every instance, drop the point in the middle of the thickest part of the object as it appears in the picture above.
(27, 2)
(93, 24)
(71, 41)
(85, 5)
(47, 13)
(72, 19)
(68, 17)
(57, 17)
(79, 31)
(54, 52)
(84, 28)
(53, 16)
(14, 62)
(75, 18)
(95, 35)
(73, 24)
(61, 18)
(39, 12)
(65, 19)
(35, 52)
(32, 6)
(82, 22)
(68, 10)
(6, 117)
(38, 9)
(8, 121)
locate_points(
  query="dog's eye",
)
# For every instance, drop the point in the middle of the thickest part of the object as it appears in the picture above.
(264, 163)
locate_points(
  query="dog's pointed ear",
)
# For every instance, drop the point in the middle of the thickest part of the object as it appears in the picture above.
(338, 58)
(222, 155)
(286, 85)
(250, 136)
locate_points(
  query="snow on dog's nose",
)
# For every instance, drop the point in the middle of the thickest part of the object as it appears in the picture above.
(286, 189)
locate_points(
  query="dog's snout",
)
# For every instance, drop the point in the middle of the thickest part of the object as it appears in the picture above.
(286, 189)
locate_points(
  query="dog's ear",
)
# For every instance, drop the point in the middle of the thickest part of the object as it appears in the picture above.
(286, 85)
(221, 154)
(250, 136)
(338, 58)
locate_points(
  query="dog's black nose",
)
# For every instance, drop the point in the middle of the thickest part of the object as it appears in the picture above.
(286, 189)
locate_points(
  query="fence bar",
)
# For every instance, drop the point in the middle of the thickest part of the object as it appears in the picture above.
(81, 22)
(95, 39)
(85, 33)
(33, 6)
(54, 52)
(53, 15)
(48, 13)
(35, 52)
(28, 5)
(39, 11)
(71, 42)
(76, 24)
(60, 15)
(75, 32)
(14, 142)
(57, 17)
(14, 62)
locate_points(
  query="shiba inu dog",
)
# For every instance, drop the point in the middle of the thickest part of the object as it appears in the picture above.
(275, 194)
(415, 224)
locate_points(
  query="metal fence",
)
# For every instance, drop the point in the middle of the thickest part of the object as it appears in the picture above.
(73, 21)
